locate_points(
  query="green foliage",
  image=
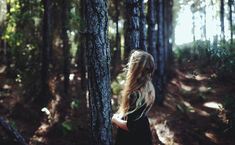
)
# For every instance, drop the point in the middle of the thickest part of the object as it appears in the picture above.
(67, 126)
(117, 85)
(197, 50)
(75, 104)
(22, 34)
(229, 106)
(218, 54)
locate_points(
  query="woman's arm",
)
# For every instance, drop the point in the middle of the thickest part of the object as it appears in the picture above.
(116, 119)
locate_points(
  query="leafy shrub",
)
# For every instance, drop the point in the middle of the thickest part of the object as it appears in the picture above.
(229, 106)
(195, 50)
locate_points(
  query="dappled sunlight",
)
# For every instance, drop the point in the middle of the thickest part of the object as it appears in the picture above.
(190, 108)
(71, 77)
(189, 76)
(200, 77)
(203, 88)
(2, 68)
(213, 105)
(164, 133)
(186, 87)
(211, 136)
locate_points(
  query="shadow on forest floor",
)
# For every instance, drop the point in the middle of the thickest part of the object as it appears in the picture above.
(192, 113)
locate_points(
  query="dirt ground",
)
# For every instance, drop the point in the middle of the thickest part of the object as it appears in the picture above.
(192, 113)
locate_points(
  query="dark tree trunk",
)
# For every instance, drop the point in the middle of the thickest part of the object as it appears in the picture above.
(64, 18)
(170, 32)
(143, 33)
(46, 49)
(132, 26)
(12, 132)
(98, 58)
(152, 39)
(82, 53)
(222, 20)
(117, 52)
(160, 52)
(230, 4)
(168, 5)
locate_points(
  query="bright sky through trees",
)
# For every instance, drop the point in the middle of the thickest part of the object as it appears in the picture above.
(184, 23)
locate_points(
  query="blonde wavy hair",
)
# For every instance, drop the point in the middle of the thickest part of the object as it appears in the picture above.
(139, 70)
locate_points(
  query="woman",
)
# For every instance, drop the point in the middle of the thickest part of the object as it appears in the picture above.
(138, 97)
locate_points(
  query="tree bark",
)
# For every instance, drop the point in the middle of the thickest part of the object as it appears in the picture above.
(46, 49)
(132, 26)
(143, 33)
(160, 52)
(152, 39)
(98, 58)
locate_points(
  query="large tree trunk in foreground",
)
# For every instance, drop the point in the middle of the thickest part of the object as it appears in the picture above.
(98, 58)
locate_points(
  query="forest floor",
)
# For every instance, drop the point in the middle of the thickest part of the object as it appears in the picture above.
(192, 113)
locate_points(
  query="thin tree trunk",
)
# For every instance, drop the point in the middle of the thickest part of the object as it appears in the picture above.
(222, 20)
(143, 33)
(230, 3)
(12, 132)
(46, 49)
(64, 18)
(132, 26)
(98, 58)
(171, 31)
(117, 52)
(193, 21)
(160, 52)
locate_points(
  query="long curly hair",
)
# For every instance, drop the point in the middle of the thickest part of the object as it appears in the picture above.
(139, 70)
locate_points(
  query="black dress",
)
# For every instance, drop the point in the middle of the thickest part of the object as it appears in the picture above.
(138, 126)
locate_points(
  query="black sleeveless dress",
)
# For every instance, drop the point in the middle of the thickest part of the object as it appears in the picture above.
(139, 132)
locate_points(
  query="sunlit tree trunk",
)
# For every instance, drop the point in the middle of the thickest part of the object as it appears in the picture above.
(160, 52)
(98, 58)
(222, 20)
(230, 3)
(47, 46)
(132, 26)
(143, 33)
(3, 15)
(193, 21)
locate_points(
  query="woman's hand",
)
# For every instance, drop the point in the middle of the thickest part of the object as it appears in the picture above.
(115, 119)
(118, 122)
